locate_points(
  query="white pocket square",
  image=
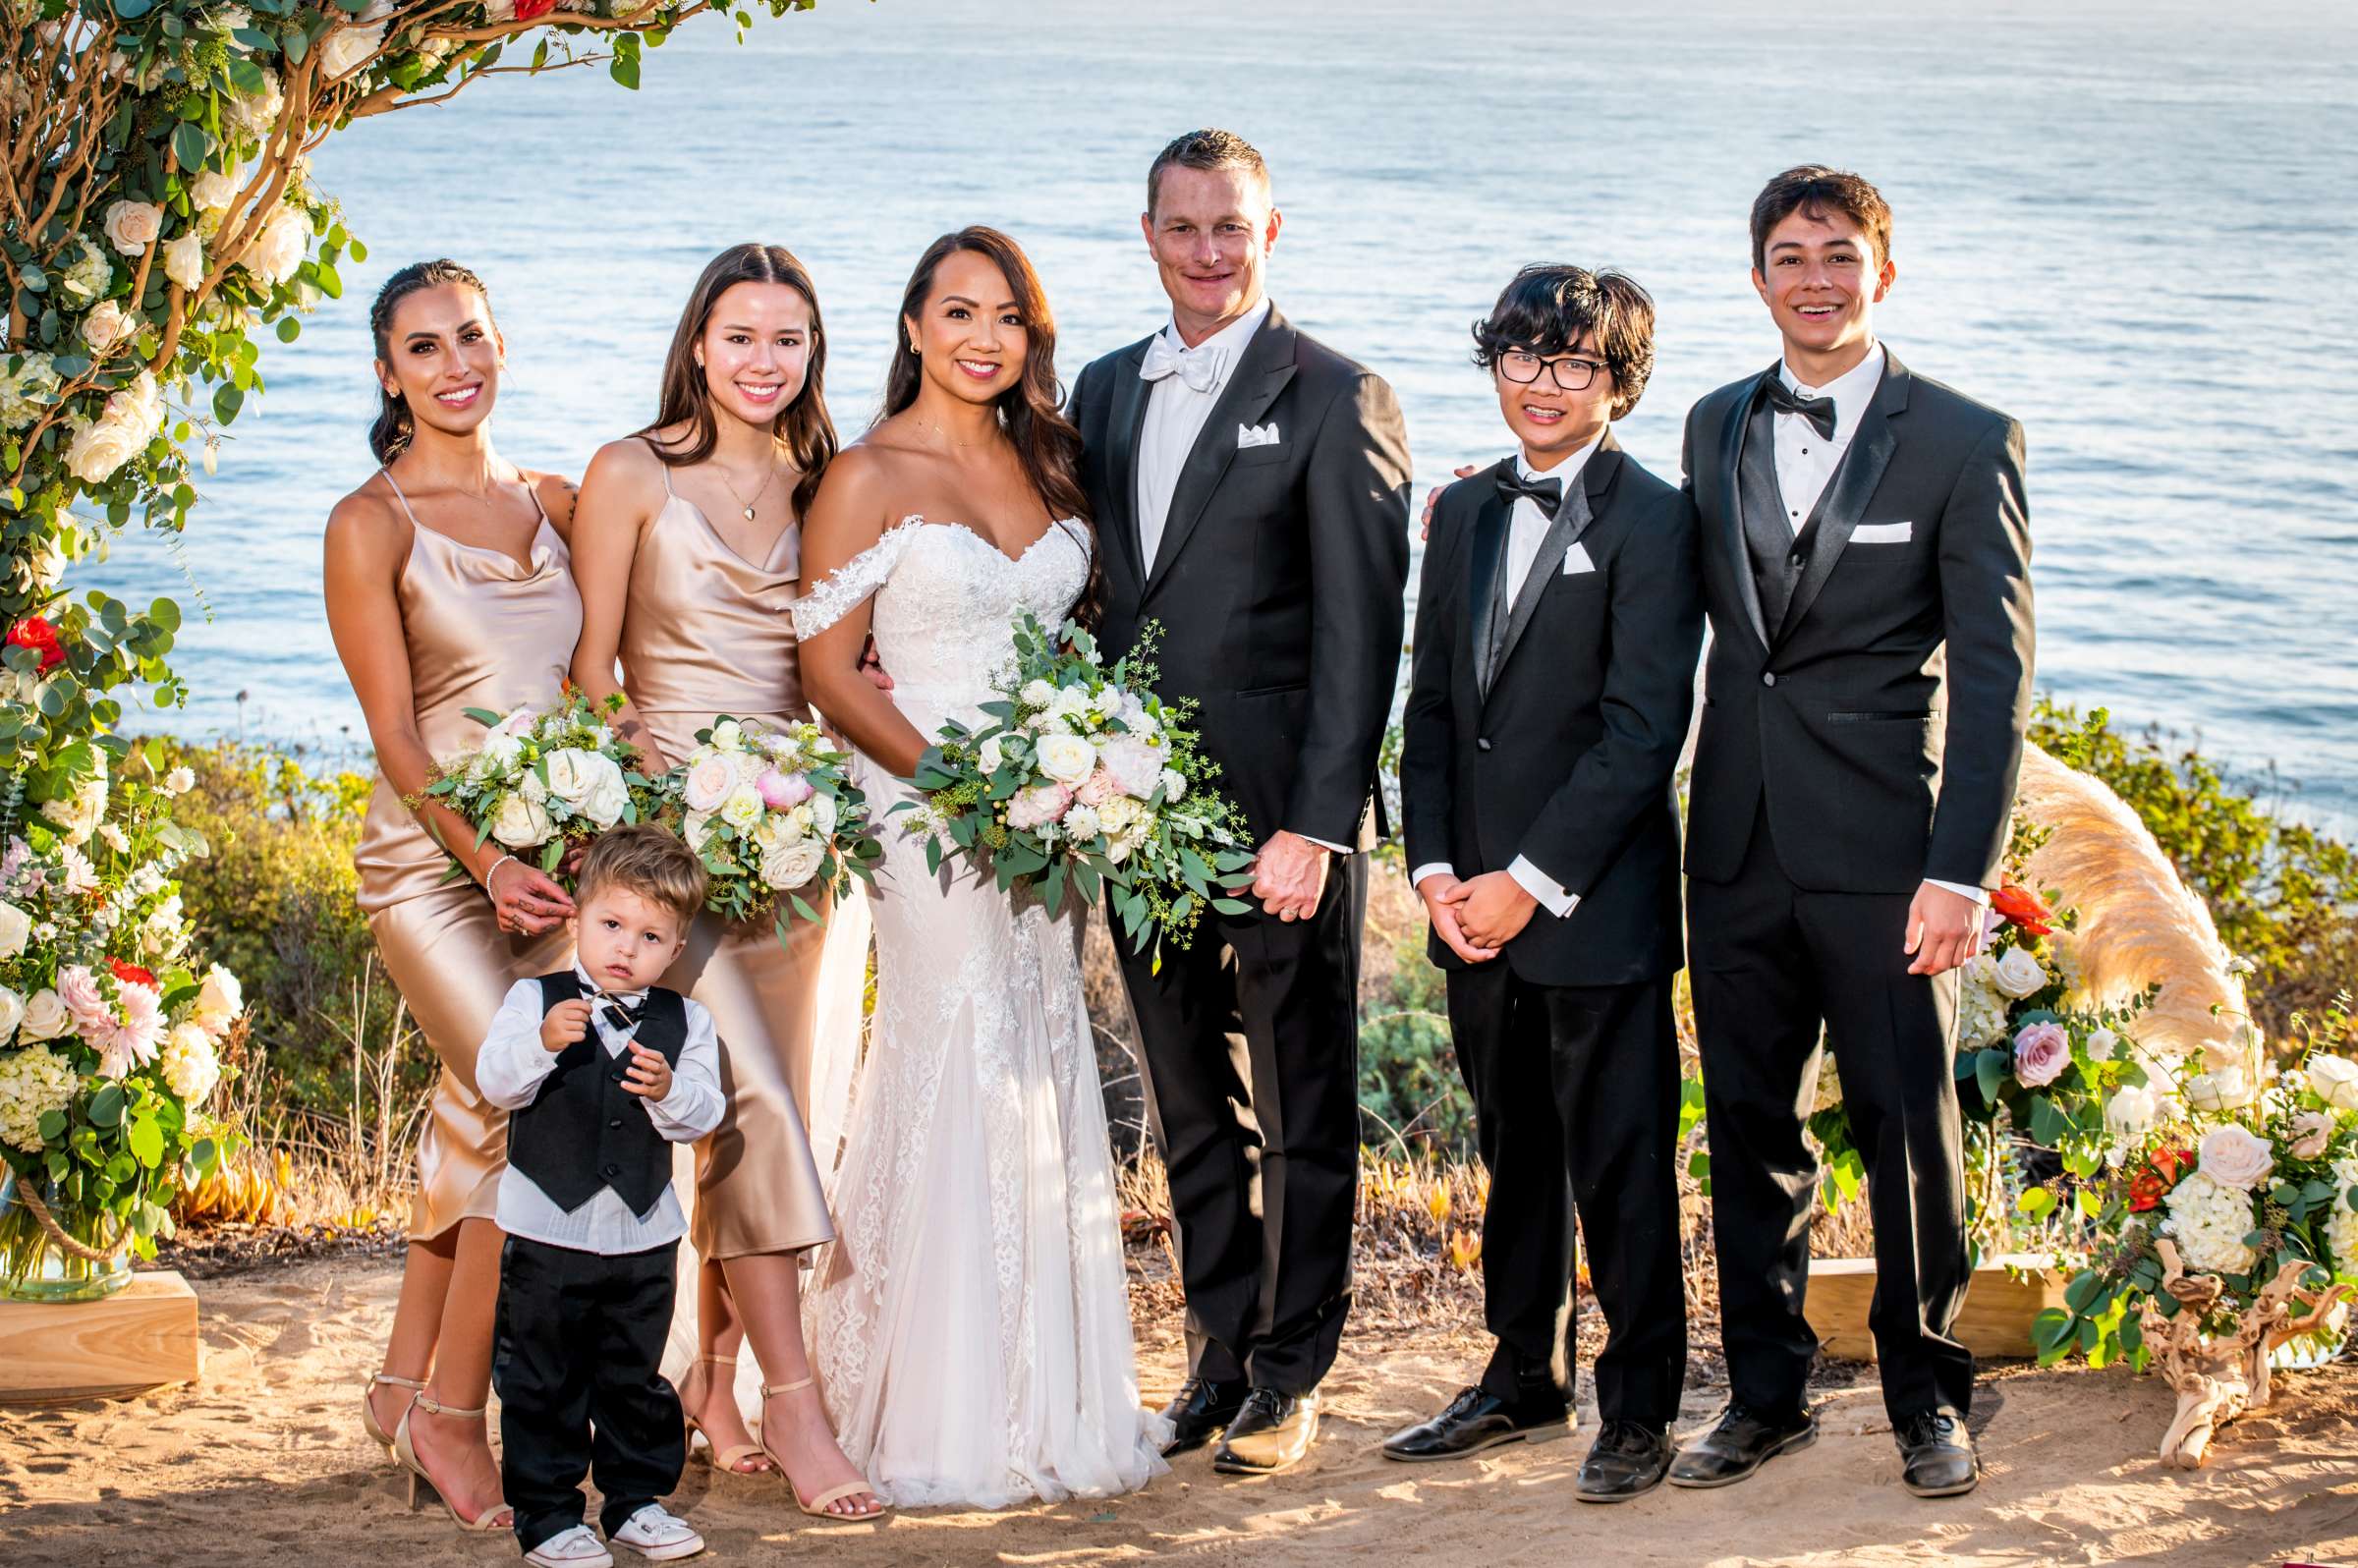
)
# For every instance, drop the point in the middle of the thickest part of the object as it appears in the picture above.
(1576, 559)
(1883, 533)
(1255, 435)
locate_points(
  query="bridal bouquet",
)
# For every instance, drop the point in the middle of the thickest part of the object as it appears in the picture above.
(1086, 784)
(542, 779)
(774, 813)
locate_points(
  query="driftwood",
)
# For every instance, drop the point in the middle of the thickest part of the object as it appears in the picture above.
(2219, 1378)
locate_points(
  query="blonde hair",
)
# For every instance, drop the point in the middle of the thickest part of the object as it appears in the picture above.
(645, 860)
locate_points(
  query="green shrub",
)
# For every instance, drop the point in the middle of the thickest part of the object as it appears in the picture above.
(1409, 1088)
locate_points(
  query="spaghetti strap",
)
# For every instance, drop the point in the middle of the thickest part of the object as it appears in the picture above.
(404, 500)
(662, 466)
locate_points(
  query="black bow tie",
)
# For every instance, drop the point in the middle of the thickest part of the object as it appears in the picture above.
(615, 1013)
(1820, 411)
(1546, 494)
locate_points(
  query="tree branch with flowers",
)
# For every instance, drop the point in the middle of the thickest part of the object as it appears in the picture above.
(158, 223)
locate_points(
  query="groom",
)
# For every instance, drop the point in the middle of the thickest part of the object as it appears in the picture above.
(1250, 489)
(1865, 555)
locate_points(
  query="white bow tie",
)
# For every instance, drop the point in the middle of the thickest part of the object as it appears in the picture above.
(1199, 367)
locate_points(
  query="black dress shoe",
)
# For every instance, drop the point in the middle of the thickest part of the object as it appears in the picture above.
(1937, 1455)
(1270, 1434)
(1475, 1420)
(1200, 1412)
(1742, 1442)
(1628, 1460)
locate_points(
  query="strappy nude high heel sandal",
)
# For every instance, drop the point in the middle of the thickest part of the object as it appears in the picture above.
(817, 1507)
(368, 1422)
(735, 1454)
(490, 1520)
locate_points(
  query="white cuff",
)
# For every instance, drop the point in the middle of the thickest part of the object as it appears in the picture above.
(1416, 878)
(1550, 894)
(1980, 895)
(1339, 849)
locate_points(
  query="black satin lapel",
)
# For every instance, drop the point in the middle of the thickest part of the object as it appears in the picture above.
(1263, 372)
(1730, 540)
(1547, 566)
(1129, 417)
(1845, 503)
(1482, 571)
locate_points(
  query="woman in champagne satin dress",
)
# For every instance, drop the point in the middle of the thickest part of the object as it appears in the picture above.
(688, 551)
(448, 586)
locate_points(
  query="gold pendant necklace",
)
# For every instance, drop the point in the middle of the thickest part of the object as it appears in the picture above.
(744, 505)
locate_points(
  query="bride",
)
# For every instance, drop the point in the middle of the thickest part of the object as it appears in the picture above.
(973, 1332)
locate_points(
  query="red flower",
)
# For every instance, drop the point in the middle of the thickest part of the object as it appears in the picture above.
(2159, 1174)
(526, 10)
(2024, 908)
(130, 973)
(35, 633)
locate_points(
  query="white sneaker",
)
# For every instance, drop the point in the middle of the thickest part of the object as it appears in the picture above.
(571, 1549)
(656, 1535)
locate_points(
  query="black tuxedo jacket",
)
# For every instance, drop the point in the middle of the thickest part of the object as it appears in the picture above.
(1569, 760)
(1280, 575)
(1884, 720)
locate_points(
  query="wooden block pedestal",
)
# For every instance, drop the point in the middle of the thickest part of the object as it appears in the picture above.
(144, 1336)
(1995, 1321)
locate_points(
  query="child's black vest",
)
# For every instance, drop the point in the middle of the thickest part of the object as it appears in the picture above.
(583, 1129)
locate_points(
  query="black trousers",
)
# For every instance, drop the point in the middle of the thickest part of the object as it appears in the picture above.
(1252, 1065)
(1576, 1105)
(575, 1358)
(1770, 962)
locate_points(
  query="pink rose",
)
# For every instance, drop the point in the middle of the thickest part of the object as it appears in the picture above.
(781, 791)
(1099, 789)
(2312, 1131)
(1038, 806)
(79, 989)
(2040, 1053)
(1136, 766)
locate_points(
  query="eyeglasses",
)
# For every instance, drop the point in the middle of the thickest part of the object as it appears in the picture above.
(1523, 367)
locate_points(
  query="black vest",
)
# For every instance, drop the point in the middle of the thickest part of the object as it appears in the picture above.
(583, 1129)
(1776, 546)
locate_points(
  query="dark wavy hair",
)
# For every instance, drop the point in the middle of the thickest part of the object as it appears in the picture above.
(1550, 306)
(1813, 190)
(1032, 412)
(801, 427)
(389, 434)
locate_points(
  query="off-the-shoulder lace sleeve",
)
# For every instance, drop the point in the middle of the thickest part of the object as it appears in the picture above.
(855, 580)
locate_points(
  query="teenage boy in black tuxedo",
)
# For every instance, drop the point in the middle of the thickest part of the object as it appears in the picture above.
(1559, 621)
(1866, 554)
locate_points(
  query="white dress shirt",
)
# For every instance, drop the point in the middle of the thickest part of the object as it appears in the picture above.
(1806, 461)
(509, 1070)
(1527, 525)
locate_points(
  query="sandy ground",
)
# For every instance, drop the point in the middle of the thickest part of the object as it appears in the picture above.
(264, 1462)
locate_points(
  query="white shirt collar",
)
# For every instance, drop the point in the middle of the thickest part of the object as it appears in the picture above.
(1228, 344)
(632, 997)
(1851, 391)
(1568, 470)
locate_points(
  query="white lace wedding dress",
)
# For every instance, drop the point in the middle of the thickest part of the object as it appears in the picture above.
(972, 1332)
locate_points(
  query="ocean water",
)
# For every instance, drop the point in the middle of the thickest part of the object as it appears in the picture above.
(2127, 224)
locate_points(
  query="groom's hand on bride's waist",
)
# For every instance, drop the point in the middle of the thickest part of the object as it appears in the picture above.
(1289, 875)
(874, 667)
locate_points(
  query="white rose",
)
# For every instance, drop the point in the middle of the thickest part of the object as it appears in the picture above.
(45, 1017)
(1072, 702)
(107, 328)
(728, 735)
(2102, 1044)
(743, 808)
(522, 822)
(212, 191)
(2234, 1157)
(2214, 1093)
(12, 1013)
(180, 781)
(1067, 758)
(1081, 821)
(1037, 694)
(1109, 701)
(695, 829)
(184, 260)
(347, 47)
(569, 776)
(2131, 1112)
(256, 114)
(221, 1000)
(710, 779)
(1174, 784)
(799, 820)
(15, 927)
(2018, 974)
(190, 1067)
(98, 450)
(132, 226)
(2335, 1080)
(823, 815)
(991, 754)
(609, 797)
(788, 865)
(279, 250)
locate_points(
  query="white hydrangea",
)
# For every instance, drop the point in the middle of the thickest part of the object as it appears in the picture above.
(2342, 1223)
(254, 115)
(34, 1082)
(1980, 1007)
(2209, 1222)
(27, 390)
(89, 274)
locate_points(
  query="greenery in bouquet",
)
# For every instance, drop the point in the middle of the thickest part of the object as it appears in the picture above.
(775, 816)
(111, 1042)
(1086, 784)
(542, 780)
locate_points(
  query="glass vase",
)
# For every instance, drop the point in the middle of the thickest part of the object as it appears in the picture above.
(35, 1268)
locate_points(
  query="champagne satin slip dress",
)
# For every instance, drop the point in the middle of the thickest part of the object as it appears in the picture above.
(482, 631)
